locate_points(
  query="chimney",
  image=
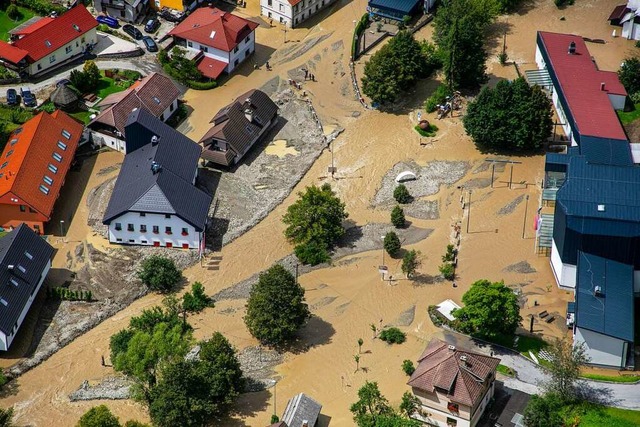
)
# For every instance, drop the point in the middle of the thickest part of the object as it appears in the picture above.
(572, 48)
(154, 140)
(452, 348)
(463, 359)
(155, 167)
(598, 291)
(10, 267)
(602, 86)
(305, 423)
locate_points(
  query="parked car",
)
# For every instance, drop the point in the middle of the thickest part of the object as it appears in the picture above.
(27, 97)
(150, 44)
(152, 25)
(63, 82)
(108, 20)
(12, 97)
(172, 15)
(132, 31)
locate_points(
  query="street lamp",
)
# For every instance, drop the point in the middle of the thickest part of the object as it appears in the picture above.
(469, 211)
(61, 228)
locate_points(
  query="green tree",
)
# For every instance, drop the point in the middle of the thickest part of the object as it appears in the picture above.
(274, 419)
(91, 74)
(98, 416)
(134, 423)
(409, 404)
(566, 362)
(629, 74)
(397, 217)
(511, 116)
(391, 243)
(393, 336)
(6, 417)
(407, 367)
(490, 310)
(312, 253)
(370, 406)
(401, 194)
(13, 12)
(447, 270)
(77, 80)
(159, 273)
(544, 411)
(410, 263)
(276, 308)
(196, 300)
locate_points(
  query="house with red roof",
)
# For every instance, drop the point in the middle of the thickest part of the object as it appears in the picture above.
(453, 385)
(292, 13)
(33, 167)
(221, 40)
(50, 42)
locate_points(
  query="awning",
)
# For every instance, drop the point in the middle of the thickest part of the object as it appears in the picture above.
(618, 12)
(540, 78)
(211, 68)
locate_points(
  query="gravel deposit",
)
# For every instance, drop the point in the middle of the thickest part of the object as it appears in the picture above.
(406, 317)
(520, 267)
(257, 365)
(110, 388)
(511, 206)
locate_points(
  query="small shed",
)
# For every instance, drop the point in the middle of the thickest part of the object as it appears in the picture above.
(301, 411)
(64, 97)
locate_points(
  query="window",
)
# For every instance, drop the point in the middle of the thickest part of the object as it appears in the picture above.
(168, 216)
(14, 282)
(53, 168)
(247, 52)
(270, 2)
(249, 129)
(66, 134)
(39, 67)
(144, 242)
(453, 407)
(451, 422)
(52, 59)
(10, 152)
(31, 210)
(185, 231)
(143, 214)
(68, 49)
(82, 39)
(119, 239)
(118, 226)
(156, 229)
(28, 255)
(130, 227)
(235, 49)
(258, 120)
(132, 241)
(185, 246)
(36, 227)
(143, 228)
(171, 107)
(167, 230)
(235, 63)
(62, 145)
(169, 244)
(57, 157)
(247, 39)
(48, 180)
(13, 141)
(47, 43)
(122, 14)
(44, 189)
(4, 302)
(4, 165)
(189, 44)
(22, 269)
(281, 8)
(23, 208)
(156, 243)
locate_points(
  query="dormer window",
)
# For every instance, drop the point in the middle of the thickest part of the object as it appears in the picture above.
(47, 43)
(62, 145)
(57, 157)
(66, 134)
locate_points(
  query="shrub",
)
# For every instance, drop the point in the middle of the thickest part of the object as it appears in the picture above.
(429, 133)
(397, 217)
(159, 273)
(635, 97)
(13, 12)
(401, 194)
(98, 416)
(48, 107)
(391, 243)
(274, 419)
(450, 255)
(202, 85)
(439, 96)
(311, 253)
(393, 336)
(407, 367)
(196, 300)
(41, 7)
(447, 270)
(410, 262)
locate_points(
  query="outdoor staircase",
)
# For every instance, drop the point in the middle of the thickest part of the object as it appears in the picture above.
(545, 235)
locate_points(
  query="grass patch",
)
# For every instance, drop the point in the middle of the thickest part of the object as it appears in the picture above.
(612, 378)
(595, 416)
(433, 129)
(107, 86)
(627, 117)
(505, 370)
(7, 24)
(82, 116)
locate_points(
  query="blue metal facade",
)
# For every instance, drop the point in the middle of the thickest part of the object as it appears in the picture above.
(393, 9)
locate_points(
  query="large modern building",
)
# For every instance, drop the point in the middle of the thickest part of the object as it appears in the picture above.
(292, 13)
(396, 9)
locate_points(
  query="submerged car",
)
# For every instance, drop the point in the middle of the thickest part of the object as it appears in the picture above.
(132, 31)
(150, 44)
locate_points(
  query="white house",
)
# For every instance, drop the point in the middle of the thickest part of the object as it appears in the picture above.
(292, 12)
(155, 201)
(628, 17)
(50, 42)
(156, 93)
(25, 260)
(223, 40)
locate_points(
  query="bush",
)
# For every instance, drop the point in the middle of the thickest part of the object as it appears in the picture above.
(503, 57)
(98, 416)
(401, 194)
(392, 243)
(13, 12)
(397, 217)
(410, 262)
(312, 253)
(429, 133)
(629, 74)
(450, 255)
(42, 7)
(448, 271)
(407, 367)
(6, 73)
(159, 273)
(393, 336)
(6, 417)
(196, 300)
(635, 97)
(438, 97)
(202, 85)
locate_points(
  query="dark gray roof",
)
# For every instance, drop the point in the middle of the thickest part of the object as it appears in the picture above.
(610, 313)
(15, 250)
(170, 190)
(514, 409)
(301, 408)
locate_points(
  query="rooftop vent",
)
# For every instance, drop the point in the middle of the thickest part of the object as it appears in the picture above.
(155, 167)
(305, 423)
(600, 208)
(572, 48)
(154, 140)
(598, 291)
(10, 266)
(602, 86)
(212, 35)
(463, 357)
(452, 347)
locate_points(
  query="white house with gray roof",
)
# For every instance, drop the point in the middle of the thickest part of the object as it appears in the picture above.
(155, 201)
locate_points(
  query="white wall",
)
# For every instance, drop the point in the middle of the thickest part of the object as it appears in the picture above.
(175, 238)
(630, 30)
(280, 11)
(308, 8)
(565, 273)
(77, 47)
(602, 349)
(168, 112)
(439, 416)
(483, 405)
(635, 152)
(212, 52)
(243, 47)
(108, 141)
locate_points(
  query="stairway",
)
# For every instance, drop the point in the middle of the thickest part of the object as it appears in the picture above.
(545, 235)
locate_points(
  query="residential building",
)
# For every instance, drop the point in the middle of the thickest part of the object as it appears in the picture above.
(33, 167)
(237, 127)
(395, 9)
(512, 414)
(301, 411)
(179, 5)
(50, 42)
(155, 201)
(156, 94)
(221, 40)
(125, 10)
(627, 17)
(453, 385)
(25, 260)
(292, 13)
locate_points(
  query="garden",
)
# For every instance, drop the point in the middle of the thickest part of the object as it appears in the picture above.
(10, 17)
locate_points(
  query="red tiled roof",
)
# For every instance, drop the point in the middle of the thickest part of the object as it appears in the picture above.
(11, 53)
(580, 82)
(618, 12)
(27, 156)
(463, 381)
(294, 2)
(215, 28)
(211, 68)
(56, 33)
(31, 28)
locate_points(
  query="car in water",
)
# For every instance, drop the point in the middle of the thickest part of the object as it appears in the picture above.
(27, 97)
(152, 25)
(108, 21)
(12, 97)
(132, 31)
(150, 44)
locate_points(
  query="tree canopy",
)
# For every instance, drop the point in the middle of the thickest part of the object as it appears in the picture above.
(159, 273)
(566, 361)
(98, 416)
(490, 310)
(544, 411)
(629, 74)
(276, 308)
(511, 116)
(196, 300)
(6, 417)
(373, 410)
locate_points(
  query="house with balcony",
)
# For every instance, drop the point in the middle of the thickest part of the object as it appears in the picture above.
(155, 201)
(155, 93)
(125, 10)
(33, 167)
(237, 127)
(292, 13)
(50, 42)
(221, 41)
(25, 261)
(453, 385)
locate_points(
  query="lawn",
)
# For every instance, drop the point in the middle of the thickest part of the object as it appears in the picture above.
(7, 23)
(107, 86)
(627, 117)
(609, 417)
(82, 116)
(505, 370)
(613, 378)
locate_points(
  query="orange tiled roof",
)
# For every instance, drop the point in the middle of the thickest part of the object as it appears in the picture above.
(29, 152)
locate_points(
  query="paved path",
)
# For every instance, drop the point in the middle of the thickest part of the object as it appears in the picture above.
(530, 375)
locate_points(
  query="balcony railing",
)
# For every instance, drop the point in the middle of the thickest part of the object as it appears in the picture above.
(113, 4)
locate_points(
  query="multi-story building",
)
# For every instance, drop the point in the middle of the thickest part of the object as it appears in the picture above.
(292, 12)
(125, 10)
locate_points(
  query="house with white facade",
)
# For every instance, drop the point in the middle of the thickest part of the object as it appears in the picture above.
(453, 385)
(156, 94)
(125, 10)
(292, 13)
(221, 40)
(25, 261)
(627, 16)
(50, 42)
(155, 201)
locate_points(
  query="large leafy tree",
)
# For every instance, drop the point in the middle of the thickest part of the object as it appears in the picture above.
(490, 310)
(629, 74)
(544, 411)
(566, 361)
(276, 308)
(159, 273)
(98, 416)
(373, 410)
(6, 417)
(511, 116)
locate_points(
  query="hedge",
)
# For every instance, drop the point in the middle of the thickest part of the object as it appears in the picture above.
(202, 85)
(361, 26)
(42, 7)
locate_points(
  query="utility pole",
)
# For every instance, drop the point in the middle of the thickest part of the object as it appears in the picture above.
(524, 221)
(511, 176)
(285, 32)
(493, 172)
(62, 228)
(469, 211)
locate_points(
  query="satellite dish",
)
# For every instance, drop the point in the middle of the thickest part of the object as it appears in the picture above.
(406, 176)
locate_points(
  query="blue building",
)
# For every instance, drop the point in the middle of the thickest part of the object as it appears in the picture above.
(393, 9)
